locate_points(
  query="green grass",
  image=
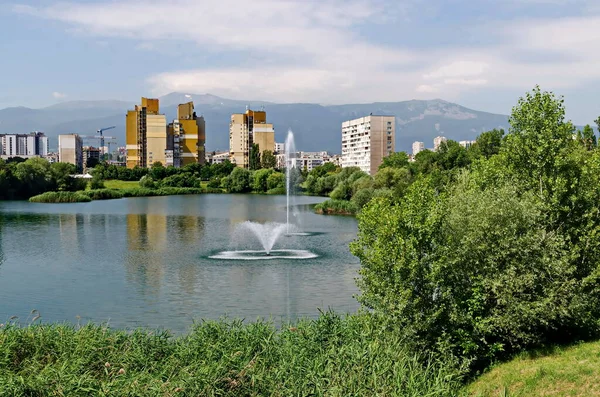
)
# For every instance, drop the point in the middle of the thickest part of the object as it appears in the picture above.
(60, 197)
(562, 371)
(116, 184)
(330, 356)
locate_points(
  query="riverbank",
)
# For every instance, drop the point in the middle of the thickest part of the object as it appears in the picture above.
(109, 194)
(332, 355)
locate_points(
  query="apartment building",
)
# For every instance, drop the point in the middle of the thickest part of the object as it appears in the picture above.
(437, 141)
(417, 147)
(34, 144)
(186, 137)
(246, 129)
(366, 141)
(90, 152)
(145, 134)
(70, 150)
(466, 144)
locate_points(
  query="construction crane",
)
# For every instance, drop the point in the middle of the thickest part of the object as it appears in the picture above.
(111, 139)
(99, 132)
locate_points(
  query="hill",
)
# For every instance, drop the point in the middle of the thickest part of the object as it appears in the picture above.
(316, 127)
(572, 371)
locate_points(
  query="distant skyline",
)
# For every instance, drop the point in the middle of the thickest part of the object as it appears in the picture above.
(481, 54)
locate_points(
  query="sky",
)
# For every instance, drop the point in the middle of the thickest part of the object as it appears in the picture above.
(483, 54)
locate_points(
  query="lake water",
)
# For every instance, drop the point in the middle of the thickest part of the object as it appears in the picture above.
(146, 261)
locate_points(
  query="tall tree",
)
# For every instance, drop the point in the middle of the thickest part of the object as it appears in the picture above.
(254, 162)
(268, 159)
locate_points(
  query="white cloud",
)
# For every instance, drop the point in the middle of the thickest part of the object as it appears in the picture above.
(59, 95)
(309, 50)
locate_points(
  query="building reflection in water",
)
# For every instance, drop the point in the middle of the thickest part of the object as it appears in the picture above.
(70, 228)
(160, 246)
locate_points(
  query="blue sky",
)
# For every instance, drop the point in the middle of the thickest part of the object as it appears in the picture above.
(483, 54)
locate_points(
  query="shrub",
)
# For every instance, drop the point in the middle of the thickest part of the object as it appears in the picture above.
(180, 180)
(147, 182)
(336, 207)
(343, 191)
(238, 181)
(214, 183)
(276, 180)
(104, 194)
(96, 183)
(60, 197)
(277, 190)
(363, 196)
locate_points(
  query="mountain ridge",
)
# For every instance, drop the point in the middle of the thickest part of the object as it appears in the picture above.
(316, 127)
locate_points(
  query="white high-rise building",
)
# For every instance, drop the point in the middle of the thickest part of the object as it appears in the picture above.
(366, 141)
(437, 141)
(34, 144)
(279, 148)
(417, 147)
(466, 144)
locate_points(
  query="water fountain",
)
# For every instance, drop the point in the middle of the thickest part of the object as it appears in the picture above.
(267, 234)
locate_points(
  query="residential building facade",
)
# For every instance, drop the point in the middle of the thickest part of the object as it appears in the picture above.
(417, 147)
(366, 141)
(34, 144)
(466, 144)
(246, 129)
(70, 150)
(145, 134)
(437, 141)
(90, 152)
(186, 137)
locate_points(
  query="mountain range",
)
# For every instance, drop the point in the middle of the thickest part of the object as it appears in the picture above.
(316, 127)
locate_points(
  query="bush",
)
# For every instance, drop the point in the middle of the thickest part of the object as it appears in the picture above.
(60, 197)
(276, 180)
(214, 183)
(363, 196)
(97, 183)
(180, 180)
(260, 180)
(343, 191)
(103, 194)
(147, 182)
(277, 190)
(336, 207)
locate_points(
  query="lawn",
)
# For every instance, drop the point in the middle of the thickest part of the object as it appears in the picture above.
(566, 371)
(116, 184)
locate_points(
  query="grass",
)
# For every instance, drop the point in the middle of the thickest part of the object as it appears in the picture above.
(60, 197)
(116, 184)
(562, 371)
(331, 356)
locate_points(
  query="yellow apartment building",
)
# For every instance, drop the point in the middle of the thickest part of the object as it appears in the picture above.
(145, 134)
(246, 129)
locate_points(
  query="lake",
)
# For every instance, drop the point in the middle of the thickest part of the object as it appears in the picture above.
(147, 261)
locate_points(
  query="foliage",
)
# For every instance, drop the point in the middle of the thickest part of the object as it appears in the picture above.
(268, 159)
(60, 197)
(254, 157)
(363, 196)
(97, 183)
(328, 356)
(214, 183)
(238, 181)
(488, 143)
(483, 263)
(147, 182)
(276, 180)
(260, 180)
(180, 180)
(337, 207)
(104, 194)
(395, 160)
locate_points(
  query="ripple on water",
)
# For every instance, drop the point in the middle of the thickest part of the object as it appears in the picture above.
(249, 255)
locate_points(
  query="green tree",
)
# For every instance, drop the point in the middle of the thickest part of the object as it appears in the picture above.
(61, 173)
(254, 161)
(92, 162)
(147, 182)
(34, 177)
(238, 181)
(260, 180)
(276, 180)
(157, 171)
(587, 137)
(488, 143)
(268, 159)
(395, 160)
